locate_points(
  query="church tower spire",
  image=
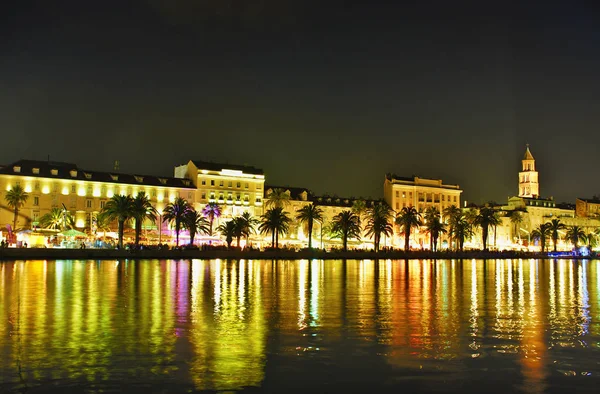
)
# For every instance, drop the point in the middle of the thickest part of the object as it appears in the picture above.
(528, 177)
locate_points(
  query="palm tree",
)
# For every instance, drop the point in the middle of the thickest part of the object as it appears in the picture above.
(542, 232)
(276, 222)
(16, 197)
(345, 225)
(408, 218)
(228, 231)
(487, 217)
(248, 223)
(516, 218)
(212, 210)
(102, 222)
(56, 219)
(359, 208)
(142, 209)
(309, 214)
(575, 234)
(461, 230)
(278, 198)
(451, 216)
(434, 226)
(555, 226)
(176, 211)
(119, 208)
(591, 240)
(240, 229)
(195, 223)
(379, 221)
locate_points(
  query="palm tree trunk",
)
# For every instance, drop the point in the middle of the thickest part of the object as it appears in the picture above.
(121, 223)
(345, 242)
(406, 239)
(14, 229)
(192, 236)
(554, 241)
(273, 239)
(238, 240)
(310, 225)
(276, 239)
(484, 235)
(138, 230)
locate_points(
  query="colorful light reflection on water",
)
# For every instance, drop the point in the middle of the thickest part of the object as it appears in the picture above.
(179, 326)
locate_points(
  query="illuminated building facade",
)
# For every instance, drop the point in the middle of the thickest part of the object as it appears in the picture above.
(587, 207)
(236, 188)
(421, 193)
(83, 193)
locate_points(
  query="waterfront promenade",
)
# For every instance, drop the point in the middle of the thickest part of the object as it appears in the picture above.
(284, 254)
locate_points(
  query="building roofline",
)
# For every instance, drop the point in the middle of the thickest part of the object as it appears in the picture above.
(64, 173)
(214, 166)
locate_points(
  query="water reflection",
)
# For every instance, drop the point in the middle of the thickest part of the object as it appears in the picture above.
(226, 325)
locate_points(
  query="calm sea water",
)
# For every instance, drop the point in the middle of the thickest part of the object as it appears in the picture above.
(300, 326)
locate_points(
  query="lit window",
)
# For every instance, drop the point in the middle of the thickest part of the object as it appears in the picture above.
(212, 182)
(36, 201)
(397, 194)
(246, 185)
(239, 184)
(102, 204)
(221, 183)
(88, 203)
(203, 196)
(72, 188)
(203, 182)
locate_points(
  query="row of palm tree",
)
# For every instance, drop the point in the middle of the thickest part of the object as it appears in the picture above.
(180, 213)
(574, 234)
(345, 225)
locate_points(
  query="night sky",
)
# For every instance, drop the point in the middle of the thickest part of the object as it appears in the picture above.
(328, 95)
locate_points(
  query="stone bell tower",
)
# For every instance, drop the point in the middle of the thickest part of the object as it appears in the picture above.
(528, 177)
